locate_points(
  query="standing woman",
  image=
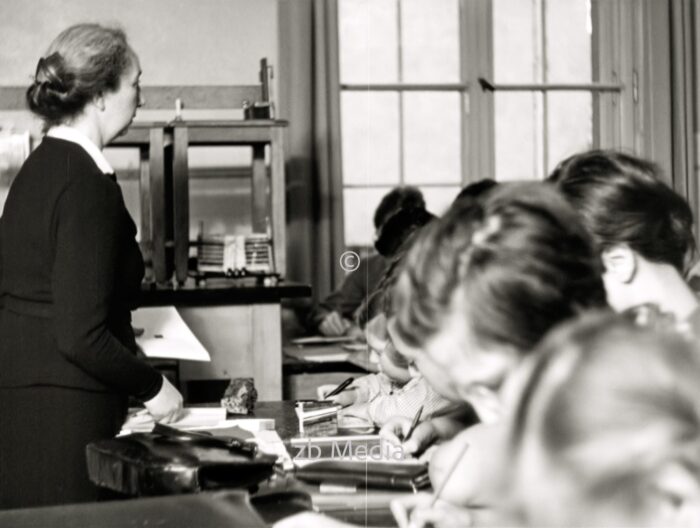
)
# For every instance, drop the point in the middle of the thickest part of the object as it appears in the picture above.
(71, 272)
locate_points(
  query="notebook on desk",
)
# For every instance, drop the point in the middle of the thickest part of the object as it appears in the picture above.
(322, 340)
(358, 448)
(360, 474)
(357, 461)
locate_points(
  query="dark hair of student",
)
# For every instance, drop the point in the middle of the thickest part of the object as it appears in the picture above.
(476, 189)
(622, 200)
(398, 227)
(84, 61)
(397, 198)
(520, 260)
(380, 300)
(605, 403)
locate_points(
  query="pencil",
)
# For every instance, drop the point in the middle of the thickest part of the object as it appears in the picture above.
(414, 423)
(340, 388)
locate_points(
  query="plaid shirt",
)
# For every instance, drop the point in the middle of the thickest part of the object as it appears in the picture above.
(379, 399)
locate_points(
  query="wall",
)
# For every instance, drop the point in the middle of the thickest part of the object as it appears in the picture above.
(178, 41)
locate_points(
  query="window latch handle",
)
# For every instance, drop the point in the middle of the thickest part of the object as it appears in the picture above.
(486, 85)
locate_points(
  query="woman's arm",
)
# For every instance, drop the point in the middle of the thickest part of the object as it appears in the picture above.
(86, 241)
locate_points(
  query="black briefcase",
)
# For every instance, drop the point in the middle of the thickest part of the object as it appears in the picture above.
(168, 461)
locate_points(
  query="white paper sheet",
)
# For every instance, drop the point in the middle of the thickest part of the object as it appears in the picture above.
(192, 418)
(166, 335)
(323, 358)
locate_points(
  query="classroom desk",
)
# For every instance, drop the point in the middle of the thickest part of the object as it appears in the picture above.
(324, 358)
(307, 367)
(239, 325)
(363, 508)
(369, 508)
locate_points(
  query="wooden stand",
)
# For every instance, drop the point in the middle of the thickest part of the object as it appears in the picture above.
(165, 221)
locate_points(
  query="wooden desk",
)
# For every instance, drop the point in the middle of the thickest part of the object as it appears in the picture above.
(325, 358)
(165, 228)
(239, 325)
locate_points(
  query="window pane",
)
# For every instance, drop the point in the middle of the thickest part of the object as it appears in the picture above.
(359, 205)
(438, 199)
(568, 41)
(430, 41)
(432, 137)
(368, 41)
(519, 119)
(516, 40)
(569, 126)
(370, 130)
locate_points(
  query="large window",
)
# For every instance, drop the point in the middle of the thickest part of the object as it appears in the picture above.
(543, 77)
(440, 93)
(401, 104)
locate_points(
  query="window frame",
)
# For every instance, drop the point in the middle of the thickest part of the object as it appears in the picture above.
(630, 112)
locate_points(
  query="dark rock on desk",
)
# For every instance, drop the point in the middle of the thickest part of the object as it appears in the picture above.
(240, 396)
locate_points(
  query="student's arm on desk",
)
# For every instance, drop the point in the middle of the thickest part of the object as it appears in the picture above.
(311, 520)
(473, 476)
(343, 301)
(418, 511)
(436, 429)
(474, 481)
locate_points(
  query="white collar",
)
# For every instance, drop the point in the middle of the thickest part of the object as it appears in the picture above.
(76, 136)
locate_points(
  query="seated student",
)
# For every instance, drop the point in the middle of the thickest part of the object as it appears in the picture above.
(480, 288)
(400, 227)
(395, 390)
(643, 229)
(334, 315)
(607, 430)
(393, 240)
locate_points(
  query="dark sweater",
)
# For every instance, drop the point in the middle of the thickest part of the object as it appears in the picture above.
(70, 271)
(355, 288)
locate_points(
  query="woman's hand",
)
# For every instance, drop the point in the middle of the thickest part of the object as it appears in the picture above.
(166, 406)
(396, 429)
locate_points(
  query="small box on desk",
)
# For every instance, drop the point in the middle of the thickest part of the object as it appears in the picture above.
(317, 418)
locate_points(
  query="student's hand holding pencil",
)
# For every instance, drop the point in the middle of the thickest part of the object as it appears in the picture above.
(396, 430)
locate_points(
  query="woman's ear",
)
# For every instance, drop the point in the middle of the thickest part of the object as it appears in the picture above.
(620, 263)
(99, 102)
(678, 496)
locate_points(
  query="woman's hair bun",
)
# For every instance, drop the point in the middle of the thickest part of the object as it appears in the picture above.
(50, 94)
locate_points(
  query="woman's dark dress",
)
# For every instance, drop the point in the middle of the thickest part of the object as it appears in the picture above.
(70, 270)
